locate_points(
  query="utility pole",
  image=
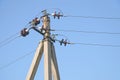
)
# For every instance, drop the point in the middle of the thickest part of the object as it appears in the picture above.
(45, 47)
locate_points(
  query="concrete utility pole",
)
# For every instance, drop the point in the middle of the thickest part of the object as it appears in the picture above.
(50, 62)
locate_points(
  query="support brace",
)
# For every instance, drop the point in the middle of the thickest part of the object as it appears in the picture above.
(50, 62)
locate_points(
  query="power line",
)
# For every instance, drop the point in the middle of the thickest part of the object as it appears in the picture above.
(9, 40)
(9, 37)
(79, 31)
(65, 42)
(92, 17)
(92, 44)
(16, 60)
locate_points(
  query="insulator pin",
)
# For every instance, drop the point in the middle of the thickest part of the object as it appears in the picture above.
(35, 21)
(58, 15)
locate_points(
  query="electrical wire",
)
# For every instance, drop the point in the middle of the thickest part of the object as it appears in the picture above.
(78, 31)
(66, 42)
(92, 44)
(9, 39)
(92, 17)
(61, 35)
(88, 44)
(16, 60)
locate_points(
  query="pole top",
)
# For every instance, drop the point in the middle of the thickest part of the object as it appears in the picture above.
(45, 13)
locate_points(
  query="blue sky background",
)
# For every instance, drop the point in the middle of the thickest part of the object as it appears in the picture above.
(76, 62)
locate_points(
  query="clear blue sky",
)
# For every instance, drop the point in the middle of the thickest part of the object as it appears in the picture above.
(76, 62)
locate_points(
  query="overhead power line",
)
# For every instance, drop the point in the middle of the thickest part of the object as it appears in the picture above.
(80, 31)
(93, 44)
(16, 60)
(9, 39)
(92, 17)
(66, 42)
